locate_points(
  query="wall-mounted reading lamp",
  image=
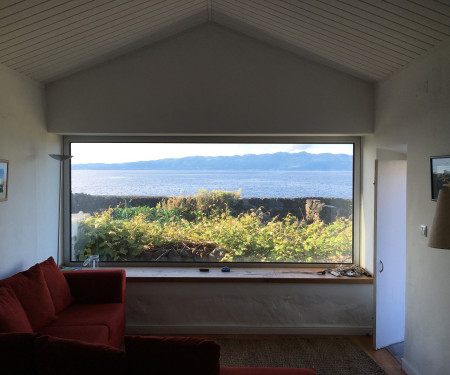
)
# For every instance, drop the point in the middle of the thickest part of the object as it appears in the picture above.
(61, 159)
(440, 231)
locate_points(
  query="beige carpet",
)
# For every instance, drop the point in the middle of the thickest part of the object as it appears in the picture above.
(327, 356)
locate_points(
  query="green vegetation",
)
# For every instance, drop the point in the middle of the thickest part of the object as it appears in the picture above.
(207, 227)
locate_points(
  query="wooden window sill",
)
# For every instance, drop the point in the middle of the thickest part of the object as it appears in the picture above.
(271, 275)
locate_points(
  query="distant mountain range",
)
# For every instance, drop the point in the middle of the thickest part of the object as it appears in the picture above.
(299, 161)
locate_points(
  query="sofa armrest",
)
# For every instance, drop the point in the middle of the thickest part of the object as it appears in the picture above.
(97, 286)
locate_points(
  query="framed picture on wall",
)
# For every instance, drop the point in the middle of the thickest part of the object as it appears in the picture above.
(440, 174)
(3, 180)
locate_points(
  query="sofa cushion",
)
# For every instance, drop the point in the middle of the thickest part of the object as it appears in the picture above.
(110, 315)
(172, 355)
(56, 356)
(265, 371)
(57, 285)
(12, 315)
(95, 334)
(32, 292)
(16, 353)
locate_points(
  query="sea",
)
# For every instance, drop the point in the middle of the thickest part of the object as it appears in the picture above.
(253, 184)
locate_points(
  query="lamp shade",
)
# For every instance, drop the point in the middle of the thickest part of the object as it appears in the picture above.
(440, 231)
(60, 157)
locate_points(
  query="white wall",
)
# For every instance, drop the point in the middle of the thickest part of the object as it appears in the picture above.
(28, 219)
(210, 81)
(413, 109)
(248, 308)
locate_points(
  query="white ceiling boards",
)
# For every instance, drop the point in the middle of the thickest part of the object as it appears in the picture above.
(47, 40)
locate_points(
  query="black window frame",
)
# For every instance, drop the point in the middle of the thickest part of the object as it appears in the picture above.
(356, 141)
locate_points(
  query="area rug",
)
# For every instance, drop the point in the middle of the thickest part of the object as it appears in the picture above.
(327, 356)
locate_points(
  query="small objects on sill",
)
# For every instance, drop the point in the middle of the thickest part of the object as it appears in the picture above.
(326, 270)
(349, 271)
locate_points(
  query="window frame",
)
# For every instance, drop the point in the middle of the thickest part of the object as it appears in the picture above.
(66, 235)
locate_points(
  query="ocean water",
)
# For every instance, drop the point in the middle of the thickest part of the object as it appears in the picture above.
(258, 184)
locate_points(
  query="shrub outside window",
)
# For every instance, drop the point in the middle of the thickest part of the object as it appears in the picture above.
(220, 201)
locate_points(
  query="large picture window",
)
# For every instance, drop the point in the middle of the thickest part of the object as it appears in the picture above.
(173, 202)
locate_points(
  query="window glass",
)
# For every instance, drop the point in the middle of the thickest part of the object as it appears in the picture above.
(212, 202)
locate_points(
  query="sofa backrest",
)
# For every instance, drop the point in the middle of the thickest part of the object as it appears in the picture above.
(99, 286)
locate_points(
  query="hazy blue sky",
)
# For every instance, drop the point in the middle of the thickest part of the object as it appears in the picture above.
(128, 152)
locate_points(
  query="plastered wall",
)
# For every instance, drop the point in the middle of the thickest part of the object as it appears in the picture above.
(413, 115)
(248, 308)
(29, 218)
(210, 80)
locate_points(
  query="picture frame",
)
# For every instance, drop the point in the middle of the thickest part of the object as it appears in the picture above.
(4, 170)
(440, 174)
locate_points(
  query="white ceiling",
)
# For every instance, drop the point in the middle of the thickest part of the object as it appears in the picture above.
(371, 39)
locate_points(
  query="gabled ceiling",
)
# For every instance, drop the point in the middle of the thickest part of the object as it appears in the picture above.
(47, 40)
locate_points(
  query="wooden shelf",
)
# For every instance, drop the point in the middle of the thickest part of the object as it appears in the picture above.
(271, 275)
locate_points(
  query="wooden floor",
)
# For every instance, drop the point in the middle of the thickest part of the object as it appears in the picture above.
(384, 359)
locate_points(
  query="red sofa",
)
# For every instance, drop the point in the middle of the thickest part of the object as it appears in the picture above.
(54, 322)
(27, 353)
(83, 305)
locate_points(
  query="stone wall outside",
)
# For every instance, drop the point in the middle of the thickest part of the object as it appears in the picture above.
(308, 208)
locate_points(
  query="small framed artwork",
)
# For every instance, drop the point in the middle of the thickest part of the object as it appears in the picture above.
(3, 180)
(440, 174)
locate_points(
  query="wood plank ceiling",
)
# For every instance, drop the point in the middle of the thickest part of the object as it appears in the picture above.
(371, 39)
